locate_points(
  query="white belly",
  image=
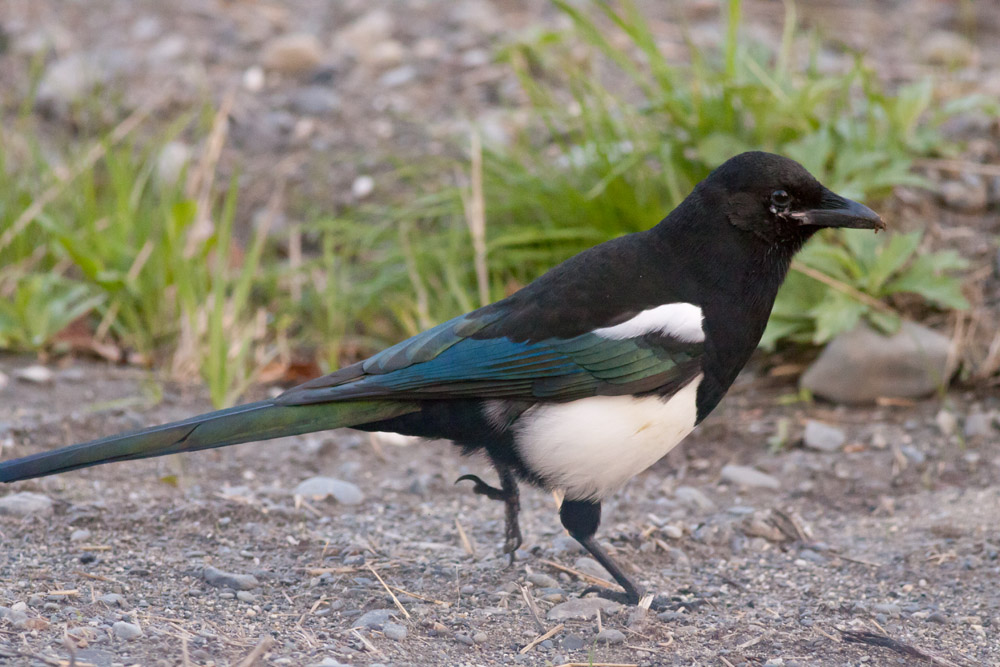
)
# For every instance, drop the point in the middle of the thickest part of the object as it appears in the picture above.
(591, 447)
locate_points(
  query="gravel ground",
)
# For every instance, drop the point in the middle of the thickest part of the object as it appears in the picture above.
(880, 549)
(892, 533)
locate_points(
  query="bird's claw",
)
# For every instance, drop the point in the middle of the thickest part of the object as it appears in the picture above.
(513, 541)
(512, 533)
(481, 488)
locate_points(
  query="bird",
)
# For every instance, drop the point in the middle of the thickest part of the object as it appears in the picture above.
(576, 382)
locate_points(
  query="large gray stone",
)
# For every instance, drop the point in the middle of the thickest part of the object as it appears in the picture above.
(318, 488)
(582, 608)
(25, 503)
(862, 365)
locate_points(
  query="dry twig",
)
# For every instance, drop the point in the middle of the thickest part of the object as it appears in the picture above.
(540, 638)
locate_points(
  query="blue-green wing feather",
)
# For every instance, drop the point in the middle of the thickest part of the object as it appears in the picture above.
(447, 361)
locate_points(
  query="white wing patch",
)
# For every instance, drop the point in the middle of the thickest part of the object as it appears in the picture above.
(591, 447)
(680, 320)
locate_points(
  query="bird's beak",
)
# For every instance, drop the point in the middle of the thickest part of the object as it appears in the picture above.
(836, 211)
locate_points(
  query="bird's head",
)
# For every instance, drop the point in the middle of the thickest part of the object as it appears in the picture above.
(778, 201)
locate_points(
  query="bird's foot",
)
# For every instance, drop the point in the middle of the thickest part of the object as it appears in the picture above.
(512, 534)
(481, 488)
(658, 604)
(509, 495)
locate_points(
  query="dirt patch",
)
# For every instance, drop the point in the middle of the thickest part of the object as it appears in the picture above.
(894, 534)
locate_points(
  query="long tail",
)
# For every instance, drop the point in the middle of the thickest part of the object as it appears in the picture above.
(244, 423)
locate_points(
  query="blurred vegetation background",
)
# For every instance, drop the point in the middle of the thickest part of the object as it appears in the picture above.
(104, 250)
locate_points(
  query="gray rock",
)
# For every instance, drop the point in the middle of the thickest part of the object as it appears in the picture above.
(95, 657)
(69, 80)
(823, 437)
(16, 617)
(747, 476)
(573, 643)
(969, 195)
(329, 662)
(245, 596)
(25, 504)
(591, 567)
(362, 186)
(35, 374)
(294, 53)
(394, 631)
(374, 619)
(237, 582)
(694, 497)
(112, 599)
(946, 422)
(480, 637)
(862, 365)
(464, 639)
(314, 101)
(126, 631)
(949, 49)
(890, 609)
(321, 487)
(173, 159)
(79, 535)
(611, 636)
(398, 76)
(362, 37)
(542, 580)
(566, 544)
(582, 608)
(978, 425)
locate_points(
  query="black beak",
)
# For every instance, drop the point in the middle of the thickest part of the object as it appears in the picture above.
(836, 211)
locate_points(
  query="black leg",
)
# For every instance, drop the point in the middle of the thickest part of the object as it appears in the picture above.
(581, 518)
(508, 493)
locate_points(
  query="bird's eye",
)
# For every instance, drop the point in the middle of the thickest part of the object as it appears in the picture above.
(781, 199)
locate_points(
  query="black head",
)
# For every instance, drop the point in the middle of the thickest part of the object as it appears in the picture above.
(779, 202)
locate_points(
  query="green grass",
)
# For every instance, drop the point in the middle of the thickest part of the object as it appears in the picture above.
(146, 263)
(620, 134)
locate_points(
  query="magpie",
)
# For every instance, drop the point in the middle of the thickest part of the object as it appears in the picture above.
(578, 381)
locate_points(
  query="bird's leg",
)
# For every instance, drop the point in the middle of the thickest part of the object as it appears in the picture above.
(512, 505)
(581, 518)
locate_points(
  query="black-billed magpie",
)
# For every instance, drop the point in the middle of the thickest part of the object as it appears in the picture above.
(578, 381)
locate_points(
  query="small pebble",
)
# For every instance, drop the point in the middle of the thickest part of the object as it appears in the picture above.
(889, 608)
(611, 636)
(694, 497)
(317, 488)
(542, 580)
(246, 596)
(937, 617)
(79, 535)
(747, 476)
(362, 186)
(126, 631)
(394, 631)
(823, 437)
(375, 619)
(480, 637)
(35, 374)
(464, 639)
(573, 643)
(25, 503)
(237, 582)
